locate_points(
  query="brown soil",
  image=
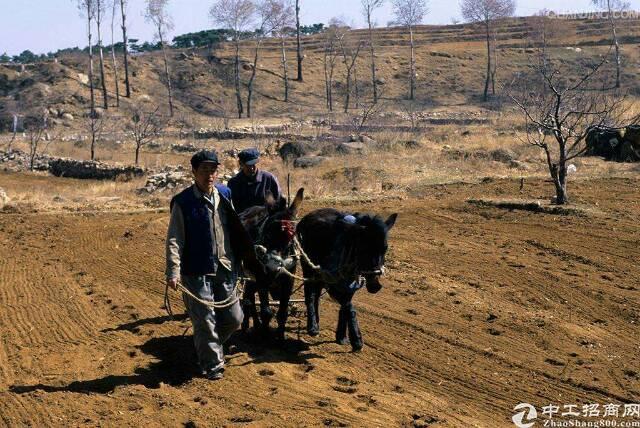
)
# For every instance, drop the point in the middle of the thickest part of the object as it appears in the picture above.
(483, 308)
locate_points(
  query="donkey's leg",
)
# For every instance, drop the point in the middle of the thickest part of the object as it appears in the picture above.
(265, 311)
(343, 299)
(249, 306)
(341, 330)
(355, 337)
(311, 291)
(285, 288)
(316, 304)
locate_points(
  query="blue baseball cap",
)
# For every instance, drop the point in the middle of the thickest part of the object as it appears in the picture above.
(204, 156)
(249, 156)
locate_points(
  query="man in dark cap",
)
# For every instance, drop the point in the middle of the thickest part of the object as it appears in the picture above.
(251, 185)
(205, 244)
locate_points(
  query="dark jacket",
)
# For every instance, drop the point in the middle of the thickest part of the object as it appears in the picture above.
(248, 192)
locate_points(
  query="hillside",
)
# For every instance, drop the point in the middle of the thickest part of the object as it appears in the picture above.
(451, 62)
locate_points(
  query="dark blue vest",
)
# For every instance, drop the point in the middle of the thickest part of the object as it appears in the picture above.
(224, 191)
(199, 256)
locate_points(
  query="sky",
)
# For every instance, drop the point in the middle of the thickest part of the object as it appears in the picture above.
(48, 25)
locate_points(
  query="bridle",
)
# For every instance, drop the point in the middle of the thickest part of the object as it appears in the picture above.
(289, 253)
(381, 270)
(347, 268)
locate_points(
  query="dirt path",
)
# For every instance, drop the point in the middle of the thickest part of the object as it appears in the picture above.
(482, 309)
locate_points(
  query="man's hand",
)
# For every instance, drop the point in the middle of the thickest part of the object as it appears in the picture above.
(172, 283)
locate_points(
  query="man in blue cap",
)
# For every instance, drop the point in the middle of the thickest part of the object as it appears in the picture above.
(205, 244)
(251, 185)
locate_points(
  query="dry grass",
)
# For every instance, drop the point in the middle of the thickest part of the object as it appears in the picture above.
(388, 169)
(41, 192)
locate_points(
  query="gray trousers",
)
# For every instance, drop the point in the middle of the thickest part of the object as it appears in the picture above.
(212, 328)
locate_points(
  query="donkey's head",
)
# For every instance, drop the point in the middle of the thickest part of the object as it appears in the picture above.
(370, 236)
(274, 233)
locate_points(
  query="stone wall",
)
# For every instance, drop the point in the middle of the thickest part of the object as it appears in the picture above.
(72, 168)
(17, 160)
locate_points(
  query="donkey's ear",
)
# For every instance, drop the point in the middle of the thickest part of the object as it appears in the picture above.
(297, 202)
(391, 221)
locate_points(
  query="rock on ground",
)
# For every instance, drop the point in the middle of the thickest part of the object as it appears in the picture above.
(3, 198)
(308, 161)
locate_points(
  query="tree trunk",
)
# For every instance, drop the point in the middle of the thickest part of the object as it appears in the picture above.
(115, 72)
(93, 138)
(125, 41)
(93, 97)
(486, 84)
(373, 59)
(495, 64)
(559, 175)
(617, 45)
(237, 78)
(356, 88)
(299, 46)
(113, 55)
(166, 71)
(331, 89)
(15, 132)
(347, 97)
(32, 157)
(137, 153)
(285, 71)
(105, 99)
(349, 69)
(412, 72)
(327, 79)
(253, 77)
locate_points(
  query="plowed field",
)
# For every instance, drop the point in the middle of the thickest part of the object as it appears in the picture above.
(482, 309)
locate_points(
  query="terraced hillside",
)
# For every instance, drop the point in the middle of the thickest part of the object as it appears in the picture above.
(450, 66)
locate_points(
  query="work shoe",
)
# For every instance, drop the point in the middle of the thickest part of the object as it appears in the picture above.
(215, 374)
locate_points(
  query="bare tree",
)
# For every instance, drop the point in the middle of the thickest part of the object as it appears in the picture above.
(100, 12)
(14, 131)
(145, 127)
(267, 12)
(485, 12)
(87, 7)
(545, 31)
(125, 47)
(298, 44)
(412, 114)
(187, 126)
(113, 51)
(332, 40)
(368, 7)
(237, 16)
(282, 23)
(410, 13)
(157, 14)
(350, 49)
(95, 124)
(560, 115)
(366, 112)
(613, 6)
(36, 130)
